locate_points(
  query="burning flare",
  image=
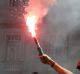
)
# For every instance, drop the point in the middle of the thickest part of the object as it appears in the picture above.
(36, 10)
(31, 22)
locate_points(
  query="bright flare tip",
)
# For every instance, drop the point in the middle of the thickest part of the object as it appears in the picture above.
(31, 23)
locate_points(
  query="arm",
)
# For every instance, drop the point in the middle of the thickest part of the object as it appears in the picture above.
(59, 69)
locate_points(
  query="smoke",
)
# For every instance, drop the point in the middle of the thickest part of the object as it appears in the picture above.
(38, 7)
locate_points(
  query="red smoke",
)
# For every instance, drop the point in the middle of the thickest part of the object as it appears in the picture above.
(37, 8)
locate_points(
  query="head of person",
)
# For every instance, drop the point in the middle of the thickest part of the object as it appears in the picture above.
(35, 73)
(78, 65)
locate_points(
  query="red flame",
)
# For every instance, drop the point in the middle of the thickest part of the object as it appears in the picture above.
(31, 21)
(36, 10)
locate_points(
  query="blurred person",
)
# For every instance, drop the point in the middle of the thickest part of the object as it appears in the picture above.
(78, 65)
(35, 73)
(58, 68)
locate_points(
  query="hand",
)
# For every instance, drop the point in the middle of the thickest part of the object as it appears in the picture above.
(46, 59)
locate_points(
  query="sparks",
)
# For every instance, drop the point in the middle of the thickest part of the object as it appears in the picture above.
(31, 23)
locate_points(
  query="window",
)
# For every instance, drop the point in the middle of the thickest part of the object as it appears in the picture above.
(13, 37)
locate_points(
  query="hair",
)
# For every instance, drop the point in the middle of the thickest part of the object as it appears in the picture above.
(78, 65)
(35, 73)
